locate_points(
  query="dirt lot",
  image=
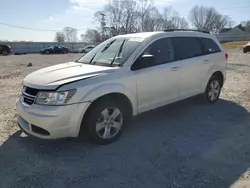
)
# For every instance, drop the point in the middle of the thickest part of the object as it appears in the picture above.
(186, 144)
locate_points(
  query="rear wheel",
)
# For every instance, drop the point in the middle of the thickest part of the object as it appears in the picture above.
(213, 89)
(105, 121)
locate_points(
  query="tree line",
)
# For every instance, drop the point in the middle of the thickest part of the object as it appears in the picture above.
(129, 16)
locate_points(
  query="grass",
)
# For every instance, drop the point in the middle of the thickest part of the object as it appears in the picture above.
(234, 44)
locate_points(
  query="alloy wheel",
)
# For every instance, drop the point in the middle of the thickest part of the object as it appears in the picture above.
(109, 123)
(214, 90)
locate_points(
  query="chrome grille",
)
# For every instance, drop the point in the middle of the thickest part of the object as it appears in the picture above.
(28, 95)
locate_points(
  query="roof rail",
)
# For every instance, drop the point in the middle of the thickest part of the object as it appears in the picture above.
(202, 31)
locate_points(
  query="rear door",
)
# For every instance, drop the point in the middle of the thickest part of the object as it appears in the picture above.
(190, 53)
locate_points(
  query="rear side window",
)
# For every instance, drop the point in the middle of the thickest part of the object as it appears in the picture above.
(187, 47)
(209, 46)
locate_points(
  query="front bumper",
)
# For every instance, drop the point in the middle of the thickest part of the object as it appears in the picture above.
(51, 122)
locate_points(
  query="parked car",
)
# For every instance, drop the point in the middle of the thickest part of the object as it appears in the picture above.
(57, 49)
(246, 48)
(122, 77)
(5, 49)
(86, 49)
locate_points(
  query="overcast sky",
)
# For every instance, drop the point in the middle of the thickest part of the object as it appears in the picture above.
(56, 14)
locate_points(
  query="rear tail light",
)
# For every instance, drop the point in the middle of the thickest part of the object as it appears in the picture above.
(226, 56)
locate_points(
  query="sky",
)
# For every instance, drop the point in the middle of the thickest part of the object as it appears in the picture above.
(56, 14)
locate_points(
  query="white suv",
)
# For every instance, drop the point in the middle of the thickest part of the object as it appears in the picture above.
(122, 77)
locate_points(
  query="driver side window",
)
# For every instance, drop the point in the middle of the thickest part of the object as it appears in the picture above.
(162, 50)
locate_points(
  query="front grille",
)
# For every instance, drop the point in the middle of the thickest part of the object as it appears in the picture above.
(30, 91)
(29, 95)
(27, 100)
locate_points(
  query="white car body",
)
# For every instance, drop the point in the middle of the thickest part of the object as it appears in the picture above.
(146, 89)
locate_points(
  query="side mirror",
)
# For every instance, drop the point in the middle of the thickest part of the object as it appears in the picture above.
(143, 62)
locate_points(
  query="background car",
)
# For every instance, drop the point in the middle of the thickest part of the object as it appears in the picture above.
(5, 49)
(55, 50)
(246, 48)
(86, 49)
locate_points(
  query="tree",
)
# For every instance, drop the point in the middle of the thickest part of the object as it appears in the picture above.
(144, 7)
(91, 35)
(181, 23)
(209, 19)
(246, 24)
(70, 34)
(59, 37)
(172, 20)
(153, 20)
(120, 17)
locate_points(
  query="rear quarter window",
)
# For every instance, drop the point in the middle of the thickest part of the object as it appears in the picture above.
(209, 46)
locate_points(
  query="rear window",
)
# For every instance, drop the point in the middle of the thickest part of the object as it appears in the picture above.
(209, 46)
(187, 47)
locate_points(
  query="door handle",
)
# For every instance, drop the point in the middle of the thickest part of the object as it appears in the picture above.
(206, 61)
(175, 68)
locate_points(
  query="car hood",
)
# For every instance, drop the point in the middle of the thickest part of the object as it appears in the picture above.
(54, 76)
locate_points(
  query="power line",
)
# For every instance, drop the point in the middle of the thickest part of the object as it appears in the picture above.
(34, 29)
(21, 27)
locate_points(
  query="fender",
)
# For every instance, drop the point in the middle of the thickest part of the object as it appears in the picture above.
(109, 88)
(214, 69)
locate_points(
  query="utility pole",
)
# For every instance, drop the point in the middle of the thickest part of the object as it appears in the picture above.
(103, 24)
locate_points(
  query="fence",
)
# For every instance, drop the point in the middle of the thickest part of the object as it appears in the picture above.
(227, 37)
(35, 47)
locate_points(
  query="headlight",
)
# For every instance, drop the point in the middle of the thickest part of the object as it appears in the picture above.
(54, 98)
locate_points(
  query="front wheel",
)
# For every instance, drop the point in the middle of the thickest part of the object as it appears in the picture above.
(213, 90)
(105, 121)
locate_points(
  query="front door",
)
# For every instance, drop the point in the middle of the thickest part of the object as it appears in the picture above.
(158, 85)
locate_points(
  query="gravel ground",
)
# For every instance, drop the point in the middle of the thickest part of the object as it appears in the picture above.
(186, 144)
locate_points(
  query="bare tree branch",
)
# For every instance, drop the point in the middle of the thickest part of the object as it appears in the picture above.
(70, 34)
(59, 37)
(209, 19)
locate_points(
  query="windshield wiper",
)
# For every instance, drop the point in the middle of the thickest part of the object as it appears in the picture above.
(105, 48)
(118, 53)
(92, 58)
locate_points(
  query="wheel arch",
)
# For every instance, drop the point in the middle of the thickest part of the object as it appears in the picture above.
(113, 95)
(217, 71)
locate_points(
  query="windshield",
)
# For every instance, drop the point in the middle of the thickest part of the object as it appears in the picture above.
(112, 52)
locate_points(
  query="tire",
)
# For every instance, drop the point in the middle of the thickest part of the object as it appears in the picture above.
(213, 90)
(5, 52)
(97, 126)
(47, 52)
(244, 50)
